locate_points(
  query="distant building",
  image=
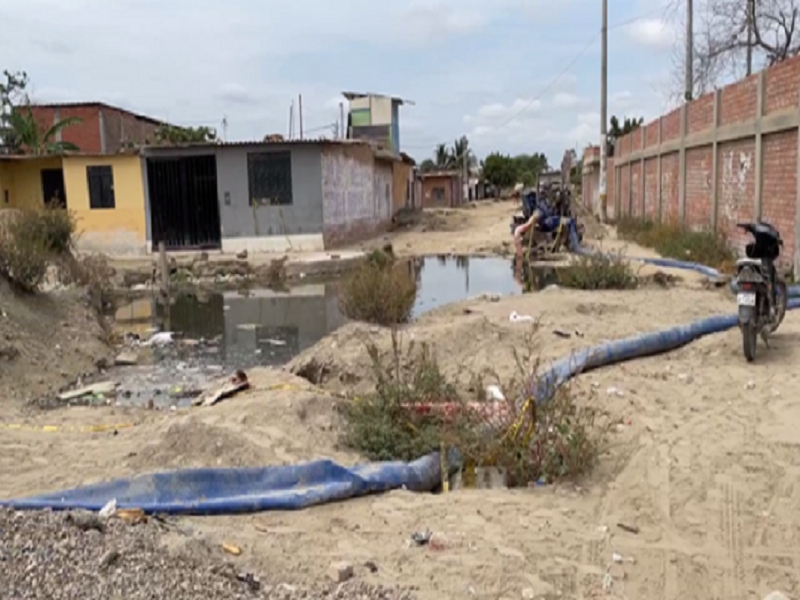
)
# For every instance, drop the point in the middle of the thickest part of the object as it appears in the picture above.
(376, 118)
(103, 129)
(552, 178)
(442, 189)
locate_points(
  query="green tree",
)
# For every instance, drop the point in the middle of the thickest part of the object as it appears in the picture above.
(19, 130)
(462, 155)
(443, 158)
(499, 170)
(427, 165)
(529, 167)
(29, 137)
(616, 131)
(172, 135)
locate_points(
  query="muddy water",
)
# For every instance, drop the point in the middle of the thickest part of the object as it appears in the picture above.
(221, 332)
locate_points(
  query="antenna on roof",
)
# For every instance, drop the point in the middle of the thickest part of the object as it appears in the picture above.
(225, 128)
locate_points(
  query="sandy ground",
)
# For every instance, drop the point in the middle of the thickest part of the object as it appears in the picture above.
(46, 342)
(703, 461)
(702, 455)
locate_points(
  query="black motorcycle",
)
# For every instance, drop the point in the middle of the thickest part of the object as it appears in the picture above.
(761, 294)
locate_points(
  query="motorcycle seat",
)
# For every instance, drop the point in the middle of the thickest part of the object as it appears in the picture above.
(748, 261)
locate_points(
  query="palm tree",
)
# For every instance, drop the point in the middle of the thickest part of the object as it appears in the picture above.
(27, 136)
(443, 158)
(462, 154)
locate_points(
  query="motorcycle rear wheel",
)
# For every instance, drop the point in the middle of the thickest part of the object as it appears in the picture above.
(749, 341)
(780, 310)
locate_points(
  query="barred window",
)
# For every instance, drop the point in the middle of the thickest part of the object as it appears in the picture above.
(270, 178)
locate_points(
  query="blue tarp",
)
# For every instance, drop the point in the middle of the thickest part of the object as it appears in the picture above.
(240, 490)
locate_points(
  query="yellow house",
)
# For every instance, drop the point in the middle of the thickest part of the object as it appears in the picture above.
(104, 192)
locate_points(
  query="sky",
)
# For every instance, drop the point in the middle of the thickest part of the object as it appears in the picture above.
(515, 76)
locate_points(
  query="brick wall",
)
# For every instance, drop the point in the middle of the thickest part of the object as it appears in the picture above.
(103, 129)
(727, 157)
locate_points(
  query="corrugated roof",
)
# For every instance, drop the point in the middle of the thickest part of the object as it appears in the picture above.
(446, 173)
(241, 143)
(357, 95)
(99, 104)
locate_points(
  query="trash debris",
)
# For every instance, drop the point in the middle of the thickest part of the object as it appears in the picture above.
(162, 338)
(235, 384)
(131, 516)
(515, 317)
(340, 572)
(421, 538)
(126, 359)
(101, 388)
(250, 580)
(371, 566)
(231, 549)
(629, 528)
(562, 334)
(273, 342)
(493, 392)
(612, 391)
(108, 510)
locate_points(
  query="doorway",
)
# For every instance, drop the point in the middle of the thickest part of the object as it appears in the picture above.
(53, 190)
(184, 206)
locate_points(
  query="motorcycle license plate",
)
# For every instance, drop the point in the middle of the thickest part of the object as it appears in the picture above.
(746, 299)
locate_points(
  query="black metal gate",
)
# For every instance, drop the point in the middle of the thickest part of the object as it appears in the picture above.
(184, 206)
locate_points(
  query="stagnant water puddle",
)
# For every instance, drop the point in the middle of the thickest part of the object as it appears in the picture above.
(225, 331)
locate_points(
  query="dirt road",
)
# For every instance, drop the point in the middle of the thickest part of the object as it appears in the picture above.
(701, 457)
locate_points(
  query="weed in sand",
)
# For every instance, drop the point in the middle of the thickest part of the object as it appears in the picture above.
(416, 409)
(674, 241)
(599, 271)
(381, 291)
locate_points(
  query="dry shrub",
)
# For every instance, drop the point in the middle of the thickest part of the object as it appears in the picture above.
(381, 291)
(599, 271)
(23, 260)
(671, 240)
(30, 239)
(93, 272)
(415, 409)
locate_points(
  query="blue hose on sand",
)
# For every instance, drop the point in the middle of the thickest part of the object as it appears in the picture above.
(667, 263)
(239, 490)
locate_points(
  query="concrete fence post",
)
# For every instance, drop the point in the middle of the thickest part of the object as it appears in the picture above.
(796, 266)
(715, 162)
(658, 170)
(682, 165)
(642, 177)
(761, 91)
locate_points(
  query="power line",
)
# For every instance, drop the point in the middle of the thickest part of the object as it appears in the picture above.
(563, 72)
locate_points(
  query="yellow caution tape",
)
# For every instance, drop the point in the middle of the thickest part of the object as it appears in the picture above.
(66, 428)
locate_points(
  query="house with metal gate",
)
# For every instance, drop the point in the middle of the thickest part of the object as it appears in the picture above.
(304, 195)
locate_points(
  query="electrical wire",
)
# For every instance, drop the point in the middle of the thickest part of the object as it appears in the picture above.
(561, 74)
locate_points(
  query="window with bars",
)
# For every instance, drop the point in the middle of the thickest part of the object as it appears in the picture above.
(101, 187)
(270, 178)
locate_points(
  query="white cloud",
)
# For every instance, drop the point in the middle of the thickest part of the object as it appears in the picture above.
(567, 100)
(655, 33)
(464, 62)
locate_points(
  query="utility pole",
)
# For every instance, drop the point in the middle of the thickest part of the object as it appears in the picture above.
(300, 113)
(291, 120)
(225, 128)
(604, 116)
(689, 91)
(751, 23)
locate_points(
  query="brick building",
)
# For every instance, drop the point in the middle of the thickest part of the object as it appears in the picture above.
(442, 189)
(103, 129)
(726, 157)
